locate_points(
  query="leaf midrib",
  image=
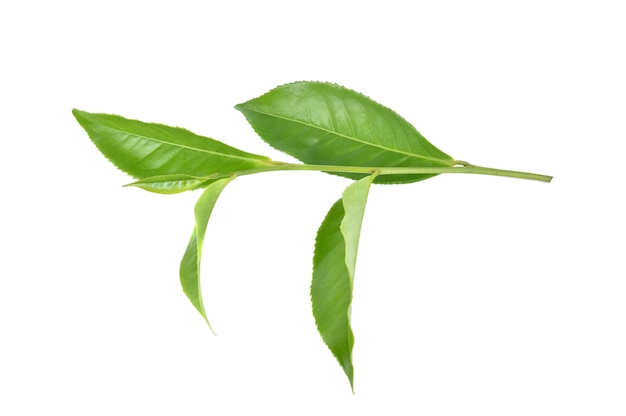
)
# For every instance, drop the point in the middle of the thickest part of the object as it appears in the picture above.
(442, 161)
(179, 145)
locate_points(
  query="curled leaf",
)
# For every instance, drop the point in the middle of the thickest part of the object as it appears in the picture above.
(334, 263)
(190, 264)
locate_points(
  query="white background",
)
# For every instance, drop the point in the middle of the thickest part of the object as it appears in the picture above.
(474, 295)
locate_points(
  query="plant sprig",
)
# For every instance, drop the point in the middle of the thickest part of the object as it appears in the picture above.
(330, 129)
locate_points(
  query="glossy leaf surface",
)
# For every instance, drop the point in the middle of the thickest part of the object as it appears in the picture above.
(190, 264)
(334, 263)
(149, 149)
(326, 124)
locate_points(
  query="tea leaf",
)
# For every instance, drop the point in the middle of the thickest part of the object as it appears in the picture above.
(147, 149)
(326, 124)
(334, 263)
(170, 184)
(190, 264)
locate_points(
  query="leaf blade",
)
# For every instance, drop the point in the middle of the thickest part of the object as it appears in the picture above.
(326, 124)
(190, 263)
(171, 184)
(334, 262)
(149, 149)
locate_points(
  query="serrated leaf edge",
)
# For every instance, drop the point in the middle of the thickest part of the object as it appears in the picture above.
(350, 235)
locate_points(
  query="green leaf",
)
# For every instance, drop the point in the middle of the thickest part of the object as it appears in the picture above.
(171, 184)
(190, 264)
(326, 124)
(147, 149)
(334, 263)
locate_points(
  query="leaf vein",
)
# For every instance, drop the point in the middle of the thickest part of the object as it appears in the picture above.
(182, 146)
(309, 124)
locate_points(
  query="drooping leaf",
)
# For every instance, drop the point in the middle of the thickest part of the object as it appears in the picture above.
(148, 149)
(334, 263)
(190, 264)
(171, 184)
(326, 124)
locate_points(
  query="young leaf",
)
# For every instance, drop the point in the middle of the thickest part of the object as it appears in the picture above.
(148, 149)
(171, 184)
(334, 262)
(326, 124)
(190, 264)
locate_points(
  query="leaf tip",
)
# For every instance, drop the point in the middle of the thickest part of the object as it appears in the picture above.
(209, 324)
(243, 107)
(348, 368)
(79, 114)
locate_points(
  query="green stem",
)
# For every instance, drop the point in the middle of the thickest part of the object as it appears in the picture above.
(458, 167)
(463, 168)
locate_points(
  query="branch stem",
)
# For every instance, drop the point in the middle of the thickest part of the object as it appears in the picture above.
(460, 167)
